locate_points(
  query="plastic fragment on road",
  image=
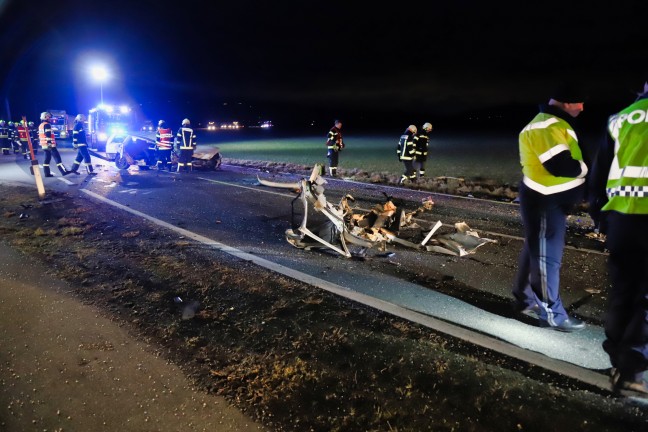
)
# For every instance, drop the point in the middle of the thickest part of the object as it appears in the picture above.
(343, 226)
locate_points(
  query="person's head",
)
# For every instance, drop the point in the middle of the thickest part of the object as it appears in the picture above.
(427, 127)
(186, 122)
(161, 124)
(45, 116)
(569, 98)
(30, 124)
(338, 124)
(2, 122)
(80, 118)
(412, 128)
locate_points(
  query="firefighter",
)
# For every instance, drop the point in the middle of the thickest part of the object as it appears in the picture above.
(406, 151)
(421, 144)
(163, 145)
(334, 145)
(33, 134)
(13, 136)
(48, 143)
(186, 144)
(5, 144)
(21, 133)
(80, 143)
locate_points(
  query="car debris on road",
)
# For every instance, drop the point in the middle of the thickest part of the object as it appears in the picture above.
(384, 224)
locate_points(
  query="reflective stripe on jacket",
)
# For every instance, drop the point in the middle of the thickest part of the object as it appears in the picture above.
(164, 139)
(186, 138)
(627, 184)
(45, 135)
(406, 148)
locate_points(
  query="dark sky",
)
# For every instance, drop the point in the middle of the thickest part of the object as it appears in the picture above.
(293, 62)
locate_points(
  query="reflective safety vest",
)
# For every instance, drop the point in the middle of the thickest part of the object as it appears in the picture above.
(186, 138)
(164, 139)
(45, 135)
(546, 136)
(334, 139)
(627, 185)
(22, 133)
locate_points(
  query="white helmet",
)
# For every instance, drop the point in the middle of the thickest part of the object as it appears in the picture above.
(427, 126)
(80, 118)
(45, 115)
(412, 128)
(186, 122)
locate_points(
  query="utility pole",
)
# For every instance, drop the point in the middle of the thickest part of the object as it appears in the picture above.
(34, 168)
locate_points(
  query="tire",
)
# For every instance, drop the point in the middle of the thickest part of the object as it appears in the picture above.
(121, 163)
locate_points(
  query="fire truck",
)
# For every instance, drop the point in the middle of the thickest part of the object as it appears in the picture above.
(61, 124)
(106, 121)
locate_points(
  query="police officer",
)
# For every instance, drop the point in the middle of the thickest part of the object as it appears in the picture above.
(620, 189)
(48, 144)
(553, 178)
(21, 133)
(5, 144)
(79, 142)
(406, 152)
(186, 143)
(421, 144)
(163, 145)
(334, 145)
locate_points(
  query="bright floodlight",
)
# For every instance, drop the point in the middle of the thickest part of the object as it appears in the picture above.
(99, 73)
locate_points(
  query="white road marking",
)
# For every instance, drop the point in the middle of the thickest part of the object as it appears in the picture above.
(576, 372)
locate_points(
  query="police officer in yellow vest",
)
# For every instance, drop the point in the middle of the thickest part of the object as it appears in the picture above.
(620, 187)
(553, 182)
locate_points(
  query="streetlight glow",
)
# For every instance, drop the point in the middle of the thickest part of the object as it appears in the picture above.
(100, 74)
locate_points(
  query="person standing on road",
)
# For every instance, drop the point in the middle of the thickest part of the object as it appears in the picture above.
(619, 193)
(21, 132)
(334, 145)
(80, 142)
(163, 145)
(406, 151)
(421, 144)
(186, 144)
(48, 144)
(553, 182)
(5, 144)
(33, 134)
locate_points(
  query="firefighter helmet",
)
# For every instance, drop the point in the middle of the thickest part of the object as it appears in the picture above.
(45, 115)
(427, 126)
(161, 123)
(2, 122)
(186, 122)
(30, 124)
(79, 118)
(10, 123)
(412, 128)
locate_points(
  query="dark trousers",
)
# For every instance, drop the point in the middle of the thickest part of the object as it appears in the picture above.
(82, 155)
(49, 153)
(184, 160)
(419, 166)
(164, 159)
(626, 322)
(538, 276)
(409, 173)
(6, 145)
(333, 158)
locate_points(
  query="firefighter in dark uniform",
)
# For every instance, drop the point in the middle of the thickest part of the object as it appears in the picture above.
(33, 134)
(186, 144)
(553, 182)
(13, 137)
(48, 144)
(421, 144)
(334, 145)
(163, 146)
(80, 142)
(619, 189)
(5, 144)
(406, 152)
(21, 132)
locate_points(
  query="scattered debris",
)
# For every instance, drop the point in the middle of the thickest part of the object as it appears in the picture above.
(384, 224)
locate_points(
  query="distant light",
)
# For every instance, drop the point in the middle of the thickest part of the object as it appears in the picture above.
(124, 109)
(108, 108)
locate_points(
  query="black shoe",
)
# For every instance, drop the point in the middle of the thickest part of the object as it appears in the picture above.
(49, 175)
(526, 311)
(570, 325)
(74, 172)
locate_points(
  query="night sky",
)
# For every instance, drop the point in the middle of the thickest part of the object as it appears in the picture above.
(298, 62)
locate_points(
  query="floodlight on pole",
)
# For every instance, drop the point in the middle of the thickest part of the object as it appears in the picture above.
(100, 74)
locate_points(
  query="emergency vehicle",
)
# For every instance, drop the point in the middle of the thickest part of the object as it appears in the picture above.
(61, 124)
(106, 121)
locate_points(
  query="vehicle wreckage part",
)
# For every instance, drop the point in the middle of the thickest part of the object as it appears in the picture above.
(293, 186)
(431, 233)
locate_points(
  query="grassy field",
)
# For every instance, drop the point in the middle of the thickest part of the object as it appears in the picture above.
(471, 156)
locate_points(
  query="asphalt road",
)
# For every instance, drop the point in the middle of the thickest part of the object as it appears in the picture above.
(230, 207)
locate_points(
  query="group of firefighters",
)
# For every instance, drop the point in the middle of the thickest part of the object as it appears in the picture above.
(14, 139)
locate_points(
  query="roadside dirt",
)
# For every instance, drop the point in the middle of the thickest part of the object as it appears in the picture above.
(287, 354)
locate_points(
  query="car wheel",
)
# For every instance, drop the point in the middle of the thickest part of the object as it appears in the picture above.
(121, 163)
